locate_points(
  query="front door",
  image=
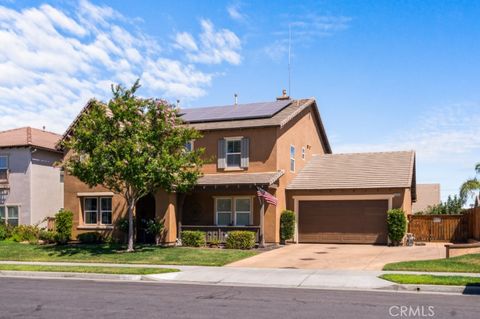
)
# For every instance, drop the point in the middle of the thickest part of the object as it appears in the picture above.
(145, 210)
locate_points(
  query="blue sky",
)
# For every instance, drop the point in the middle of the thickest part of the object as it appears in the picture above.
(387, 75)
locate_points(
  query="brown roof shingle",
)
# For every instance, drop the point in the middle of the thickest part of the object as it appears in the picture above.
(27, 136)
(357, 170)
(266, 178)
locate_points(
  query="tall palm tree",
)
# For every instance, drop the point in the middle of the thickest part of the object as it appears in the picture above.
(470, 187)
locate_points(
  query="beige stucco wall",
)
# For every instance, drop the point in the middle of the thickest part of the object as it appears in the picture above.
(262, 157)
(46, 187)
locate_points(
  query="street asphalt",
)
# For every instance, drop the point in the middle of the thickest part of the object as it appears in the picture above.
(68, 298)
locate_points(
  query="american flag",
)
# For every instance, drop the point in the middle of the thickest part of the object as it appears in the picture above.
(269, 198)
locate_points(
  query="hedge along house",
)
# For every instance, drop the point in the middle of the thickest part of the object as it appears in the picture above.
(246, 146)
(31, 186)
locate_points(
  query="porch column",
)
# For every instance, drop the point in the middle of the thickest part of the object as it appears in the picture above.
(262, 223)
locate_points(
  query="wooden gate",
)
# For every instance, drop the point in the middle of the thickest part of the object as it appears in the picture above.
(450, 228)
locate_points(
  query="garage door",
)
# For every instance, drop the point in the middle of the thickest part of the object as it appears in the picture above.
(355, 221)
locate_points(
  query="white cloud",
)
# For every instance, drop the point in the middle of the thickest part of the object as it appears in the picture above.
(53, 60)
(212, 47)
(235, 13)
(446, 141)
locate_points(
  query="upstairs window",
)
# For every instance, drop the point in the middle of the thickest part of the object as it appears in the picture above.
(3, 167)
(292, 158)
(234, 152)
(189, 146)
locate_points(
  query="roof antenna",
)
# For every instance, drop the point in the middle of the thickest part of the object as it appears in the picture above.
(236, 98)
(289, 58)
(178, 103)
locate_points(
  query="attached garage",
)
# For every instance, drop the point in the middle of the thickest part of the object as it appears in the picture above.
(333, 221)
(344, 198)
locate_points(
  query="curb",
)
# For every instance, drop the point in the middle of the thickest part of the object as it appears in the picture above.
(465, 290)
(71, 275)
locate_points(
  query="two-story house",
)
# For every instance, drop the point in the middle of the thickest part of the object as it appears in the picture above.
(31, 186)
(281, 147)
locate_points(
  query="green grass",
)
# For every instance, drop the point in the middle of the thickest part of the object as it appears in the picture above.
(432, 280)
(116, 254)
(465, 263)
(89, 269)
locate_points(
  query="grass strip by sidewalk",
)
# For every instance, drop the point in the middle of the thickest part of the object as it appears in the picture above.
(432, 280)
(114, 253)
(89, 269)
(465, 263)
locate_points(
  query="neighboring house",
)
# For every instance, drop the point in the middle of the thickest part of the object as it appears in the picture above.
(280, 146)
(427, 195)
(31, 186)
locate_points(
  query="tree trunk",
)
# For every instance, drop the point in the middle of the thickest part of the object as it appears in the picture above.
(131, 206)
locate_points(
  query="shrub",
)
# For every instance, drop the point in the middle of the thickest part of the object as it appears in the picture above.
(122, 224)
(90, 238)
(397, 225)
(193, 238)
(5, 231)
(154, 227)
(23, 233)
(287, 225)
(240, 239)
(453, 205)
(47, 236)
(63, 226)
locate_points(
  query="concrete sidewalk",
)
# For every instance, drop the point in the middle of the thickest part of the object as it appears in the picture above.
(262, 277)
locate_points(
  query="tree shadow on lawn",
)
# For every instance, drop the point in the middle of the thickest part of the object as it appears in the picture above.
(93, 249)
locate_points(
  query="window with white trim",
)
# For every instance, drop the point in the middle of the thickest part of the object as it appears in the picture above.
(97, 211)
(3, 167)
(292, 158)
(235, 211)
(224, 211)
(243, 211)
(233, 153)
(303, 153)
(9, 215)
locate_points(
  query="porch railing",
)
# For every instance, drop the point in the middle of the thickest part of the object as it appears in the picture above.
(220, 233)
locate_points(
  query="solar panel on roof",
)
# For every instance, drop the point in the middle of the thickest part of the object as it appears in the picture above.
(233, 112)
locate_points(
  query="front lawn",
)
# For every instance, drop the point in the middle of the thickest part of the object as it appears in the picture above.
(432, 280)
(116, 254)
(89, 269)
(465, 263)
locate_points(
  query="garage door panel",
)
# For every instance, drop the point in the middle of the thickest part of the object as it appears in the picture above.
(343, 221)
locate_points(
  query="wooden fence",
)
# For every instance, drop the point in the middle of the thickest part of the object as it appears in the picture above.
(449, 228)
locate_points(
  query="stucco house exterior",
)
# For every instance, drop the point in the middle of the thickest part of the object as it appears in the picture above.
(31, 186)
(427, 195)
(282, 147)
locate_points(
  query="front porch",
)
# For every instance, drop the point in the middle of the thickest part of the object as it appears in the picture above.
(219, 234)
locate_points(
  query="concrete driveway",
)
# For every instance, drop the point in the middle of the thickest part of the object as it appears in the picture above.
(333, 256)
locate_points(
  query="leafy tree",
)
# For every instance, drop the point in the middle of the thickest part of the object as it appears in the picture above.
(453, 205)
(470, 187)
(133, 146)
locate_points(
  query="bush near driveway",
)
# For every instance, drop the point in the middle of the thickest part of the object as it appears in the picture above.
(193, 238)
(287, 225)
(240, 239)
(397, 225)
